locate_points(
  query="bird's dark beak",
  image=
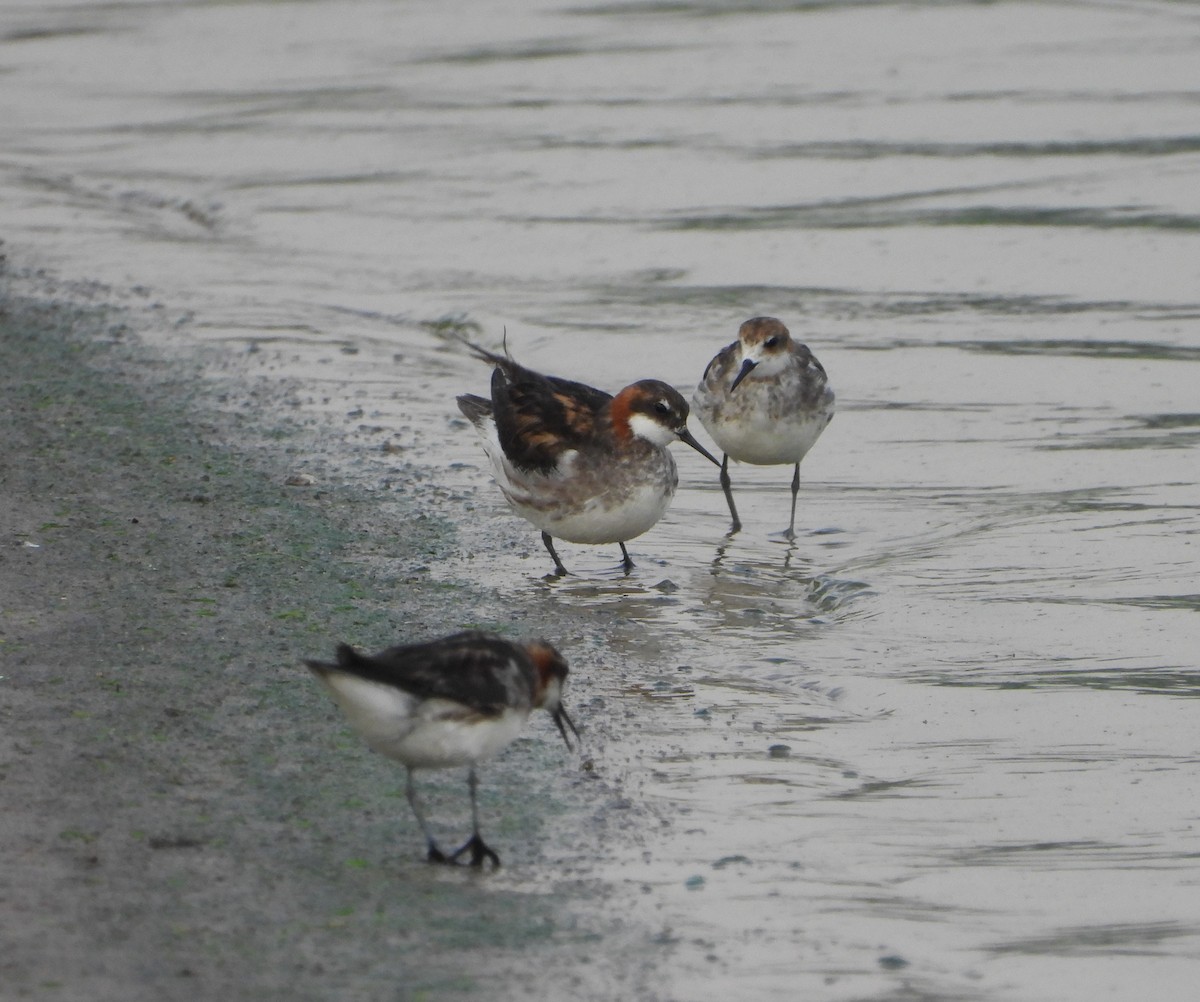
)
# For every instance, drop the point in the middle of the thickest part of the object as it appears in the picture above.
(686, 436)
(747, 366)
(563, 722)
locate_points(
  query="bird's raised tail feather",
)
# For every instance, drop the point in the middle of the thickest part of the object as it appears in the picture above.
(347, 660)
(475, 409)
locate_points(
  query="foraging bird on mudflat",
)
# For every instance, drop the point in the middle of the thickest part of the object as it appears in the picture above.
(459, 700)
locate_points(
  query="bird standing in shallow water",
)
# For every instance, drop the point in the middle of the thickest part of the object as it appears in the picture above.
(449, 702)
(580, 464)
(765, 399)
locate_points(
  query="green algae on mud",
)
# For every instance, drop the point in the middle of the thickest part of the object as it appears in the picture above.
(183, 813)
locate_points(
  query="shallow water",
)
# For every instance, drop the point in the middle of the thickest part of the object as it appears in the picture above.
(973, 662)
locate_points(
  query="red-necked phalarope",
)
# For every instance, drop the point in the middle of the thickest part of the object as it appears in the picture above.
(449, 702)
(765, 400)
(579, 464)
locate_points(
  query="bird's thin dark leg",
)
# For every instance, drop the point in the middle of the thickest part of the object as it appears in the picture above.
(727, 487)
(478, 849)
(559, 569)
(626, 562)
(435, 854)
(791, 532)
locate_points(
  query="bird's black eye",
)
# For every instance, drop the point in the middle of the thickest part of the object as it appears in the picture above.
(662, 407)
(771, 342)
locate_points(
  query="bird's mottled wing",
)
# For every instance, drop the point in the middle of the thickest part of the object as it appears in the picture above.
(539, 418)
(804, 359)
(722, 362)
(478, 670)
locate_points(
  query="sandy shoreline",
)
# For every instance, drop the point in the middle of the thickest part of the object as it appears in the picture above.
(183, 816)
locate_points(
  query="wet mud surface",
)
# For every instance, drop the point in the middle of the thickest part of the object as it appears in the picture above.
(184, 815)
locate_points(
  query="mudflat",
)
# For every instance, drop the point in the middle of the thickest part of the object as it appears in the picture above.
(182, 813)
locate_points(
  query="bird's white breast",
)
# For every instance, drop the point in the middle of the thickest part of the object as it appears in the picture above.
(753, 439)
(422, 733)
(615, 516)
(589, 498)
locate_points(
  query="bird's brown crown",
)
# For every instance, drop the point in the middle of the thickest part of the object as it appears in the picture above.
(767, 332)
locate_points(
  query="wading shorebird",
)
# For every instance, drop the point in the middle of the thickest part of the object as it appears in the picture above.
(579, 464)
(451, 702)
(765, 399)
